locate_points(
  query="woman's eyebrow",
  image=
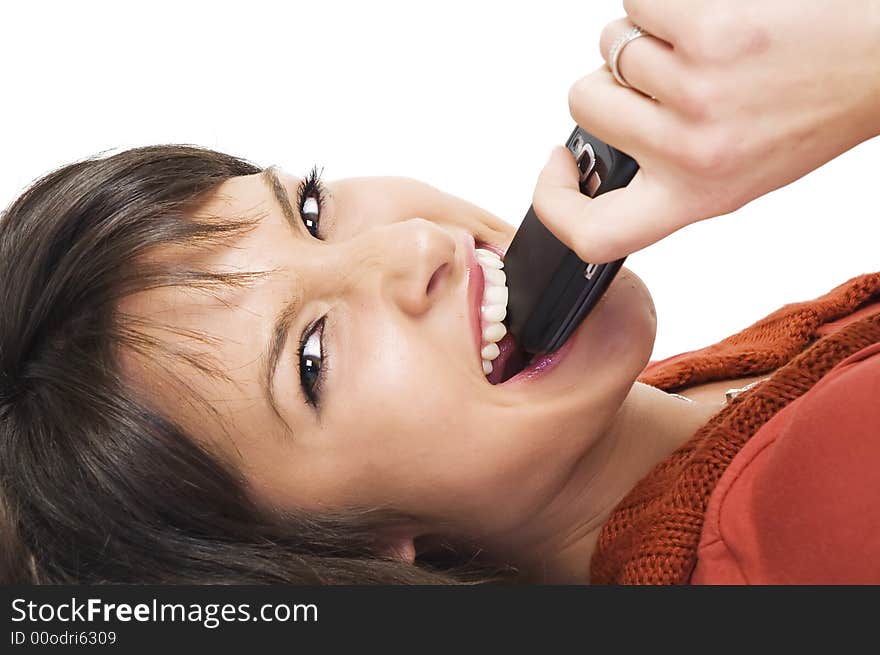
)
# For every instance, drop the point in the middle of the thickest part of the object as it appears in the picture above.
(287, 315)
(270, 177)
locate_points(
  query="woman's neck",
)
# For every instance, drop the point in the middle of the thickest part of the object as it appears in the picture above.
(557, 545)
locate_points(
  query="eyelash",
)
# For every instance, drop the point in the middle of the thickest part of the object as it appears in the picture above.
(312, 187)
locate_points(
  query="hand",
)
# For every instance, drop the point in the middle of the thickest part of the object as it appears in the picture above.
(748, 96)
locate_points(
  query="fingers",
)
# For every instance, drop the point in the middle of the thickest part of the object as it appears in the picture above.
(605, 228)
(698, 30)
(647, 63)
(621, 117)
(668, 19)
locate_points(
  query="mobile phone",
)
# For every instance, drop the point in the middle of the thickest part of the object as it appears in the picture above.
(551, 290)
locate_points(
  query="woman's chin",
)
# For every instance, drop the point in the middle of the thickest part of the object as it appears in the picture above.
(618, 335)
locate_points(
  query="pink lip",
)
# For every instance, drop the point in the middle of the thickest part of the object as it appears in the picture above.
(541, 365)
(475, 284)
(497, 250)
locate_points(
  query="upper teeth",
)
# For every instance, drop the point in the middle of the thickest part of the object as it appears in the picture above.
(494, 306)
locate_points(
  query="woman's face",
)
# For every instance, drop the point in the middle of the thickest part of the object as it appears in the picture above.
(405, 415)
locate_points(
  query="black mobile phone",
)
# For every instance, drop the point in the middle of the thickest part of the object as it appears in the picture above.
(551, 290)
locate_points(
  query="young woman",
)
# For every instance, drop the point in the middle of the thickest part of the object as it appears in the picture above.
(214, 372)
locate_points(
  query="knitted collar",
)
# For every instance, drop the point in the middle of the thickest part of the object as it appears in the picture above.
(652, 535)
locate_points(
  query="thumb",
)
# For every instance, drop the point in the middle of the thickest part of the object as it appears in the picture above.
(605, 228)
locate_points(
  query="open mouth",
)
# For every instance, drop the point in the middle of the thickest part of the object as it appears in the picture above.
(510, 361)
(502, 357)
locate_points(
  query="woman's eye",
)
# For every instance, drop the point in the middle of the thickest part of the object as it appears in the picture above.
(311, 200)
(311, 371)
(310, 214)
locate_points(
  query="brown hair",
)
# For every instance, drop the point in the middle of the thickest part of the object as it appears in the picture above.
(97, 487)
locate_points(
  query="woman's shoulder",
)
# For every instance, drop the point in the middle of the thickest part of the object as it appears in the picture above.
(798, 502)
(824, 373)
(770, 342)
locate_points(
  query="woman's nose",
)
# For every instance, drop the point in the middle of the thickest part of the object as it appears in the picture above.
(413, 260)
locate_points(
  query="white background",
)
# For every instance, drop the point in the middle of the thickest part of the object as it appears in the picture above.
(467, 96)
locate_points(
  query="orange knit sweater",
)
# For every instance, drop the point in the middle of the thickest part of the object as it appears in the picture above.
(653, 533)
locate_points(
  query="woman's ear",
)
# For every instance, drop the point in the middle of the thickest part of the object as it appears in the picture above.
(402, 547)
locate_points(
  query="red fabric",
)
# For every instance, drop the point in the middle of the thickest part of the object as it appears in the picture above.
(800, 503)
(771, 342)
(780, 485)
